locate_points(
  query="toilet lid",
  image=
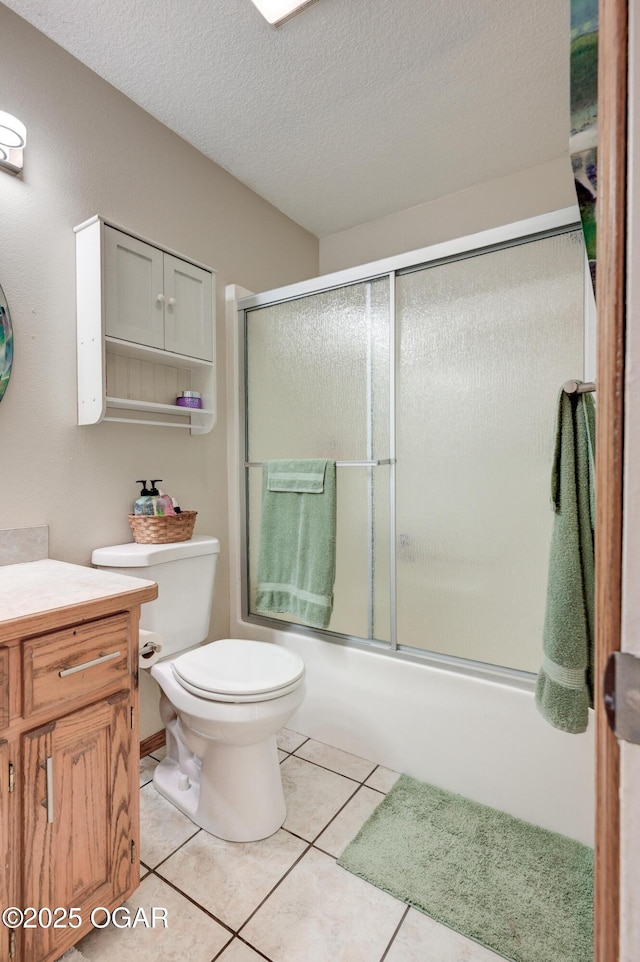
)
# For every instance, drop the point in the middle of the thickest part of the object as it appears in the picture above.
(235, 668)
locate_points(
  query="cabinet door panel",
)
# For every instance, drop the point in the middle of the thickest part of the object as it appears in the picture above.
(133, 282)
(4, 688)
(188, 309)
(8, 844)
(38, 858)
(81, 856)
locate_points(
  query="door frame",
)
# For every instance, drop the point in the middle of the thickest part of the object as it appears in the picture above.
(611, 305)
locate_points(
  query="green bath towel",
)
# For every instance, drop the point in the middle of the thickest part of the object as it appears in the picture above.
(297, 555)
(564, 690)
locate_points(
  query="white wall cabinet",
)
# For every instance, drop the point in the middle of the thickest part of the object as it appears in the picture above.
(156, 299)
(145, 330)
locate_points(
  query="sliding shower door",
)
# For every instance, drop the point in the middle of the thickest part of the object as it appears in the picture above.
(484, 344)
(448, 372)
(317, 385)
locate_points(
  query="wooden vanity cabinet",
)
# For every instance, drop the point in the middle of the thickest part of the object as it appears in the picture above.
(69, 770)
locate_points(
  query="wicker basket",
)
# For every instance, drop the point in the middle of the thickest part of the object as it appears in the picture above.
(162, 529)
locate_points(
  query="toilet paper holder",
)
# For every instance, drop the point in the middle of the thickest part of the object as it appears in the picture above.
(149, 648)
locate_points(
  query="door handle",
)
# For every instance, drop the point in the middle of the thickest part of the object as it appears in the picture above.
(47, 801)
(621, 696)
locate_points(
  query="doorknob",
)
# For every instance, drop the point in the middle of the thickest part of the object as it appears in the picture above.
(621, 696)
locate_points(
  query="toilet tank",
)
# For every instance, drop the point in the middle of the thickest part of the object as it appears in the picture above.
(184, 572)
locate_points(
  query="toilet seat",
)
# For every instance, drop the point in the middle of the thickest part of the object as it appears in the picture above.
(239, 670)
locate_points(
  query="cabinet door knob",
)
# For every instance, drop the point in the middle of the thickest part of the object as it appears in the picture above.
(160, 298)
(171, 301)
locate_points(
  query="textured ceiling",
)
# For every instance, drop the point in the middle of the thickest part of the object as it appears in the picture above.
(352, 110)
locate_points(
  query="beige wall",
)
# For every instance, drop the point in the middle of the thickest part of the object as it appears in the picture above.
(537, 190)
(91, 150)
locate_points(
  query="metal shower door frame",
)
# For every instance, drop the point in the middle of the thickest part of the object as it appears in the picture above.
(484, 242)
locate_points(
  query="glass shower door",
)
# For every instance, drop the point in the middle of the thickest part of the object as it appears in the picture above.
(317, 384)
(484, 344)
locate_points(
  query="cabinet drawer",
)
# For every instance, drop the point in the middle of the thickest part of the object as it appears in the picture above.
(76, 662)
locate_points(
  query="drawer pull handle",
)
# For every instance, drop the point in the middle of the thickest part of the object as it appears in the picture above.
(48, 801)
(89, 664)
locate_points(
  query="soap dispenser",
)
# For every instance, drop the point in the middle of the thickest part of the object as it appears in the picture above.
(142, 505)
(155, 496)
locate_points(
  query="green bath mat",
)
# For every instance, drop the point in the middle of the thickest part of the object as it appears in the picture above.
(513, 887)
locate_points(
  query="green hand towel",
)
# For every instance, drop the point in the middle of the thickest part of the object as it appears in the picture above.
(300, 476)
(564, 690)
(297, 555)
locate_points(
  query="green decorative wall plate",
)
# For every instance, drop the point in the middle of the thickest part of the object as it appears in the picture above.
(6, 344)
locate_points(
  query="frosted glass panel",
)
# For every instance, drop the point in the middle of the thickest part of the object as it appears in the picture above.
(361, 591)
(318, 375)
(318, 386)
(484, 345)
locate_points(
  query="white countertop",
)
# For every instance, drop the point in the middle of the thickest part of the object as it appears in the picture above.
(36, 587)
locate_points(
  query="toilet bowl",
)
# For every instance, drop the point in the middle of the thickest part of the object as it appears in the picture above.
(221, 705)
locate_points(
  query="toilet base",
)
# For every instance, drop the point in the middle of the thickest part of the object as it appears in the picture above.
(242, 796)
(221, 769)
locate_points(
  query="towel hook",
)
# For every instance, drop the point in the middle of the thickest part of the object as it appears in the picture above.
(575, 387)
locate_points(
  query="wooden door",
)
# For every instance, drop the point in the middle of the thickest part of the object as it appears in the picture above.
(610, 297)
(77, 816)
(134, 296)
(188, 309)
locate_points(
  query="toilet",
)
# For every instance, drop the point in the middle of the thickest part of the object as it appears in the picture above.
(221, 703)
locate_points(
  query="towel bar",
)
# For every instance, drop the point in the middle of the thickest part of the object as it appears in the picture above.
(339, 464)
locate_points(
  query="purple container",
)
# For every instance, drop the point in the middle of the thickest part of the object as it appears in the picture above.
(189, 399)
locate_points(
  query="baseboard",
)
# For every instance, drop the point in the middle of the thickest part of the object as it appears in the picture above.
(152, 743)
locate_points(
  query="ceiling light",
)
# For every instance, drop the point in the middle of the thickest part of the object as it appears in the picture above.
(276, 12)
(13, 136)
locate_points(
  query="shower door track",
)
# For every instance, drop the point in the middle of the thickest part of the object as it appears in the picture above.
(497, 238)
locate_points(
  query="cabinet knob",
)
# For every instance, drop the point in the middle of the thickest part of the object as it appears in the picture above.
(171, 301)
(160, 298)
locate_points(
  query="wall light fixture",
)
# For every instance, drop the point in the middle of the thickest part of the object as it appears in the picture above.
(13, 137)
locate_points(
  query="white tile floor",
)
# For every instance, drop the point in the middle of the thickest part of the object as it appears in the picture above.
(283, 899)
